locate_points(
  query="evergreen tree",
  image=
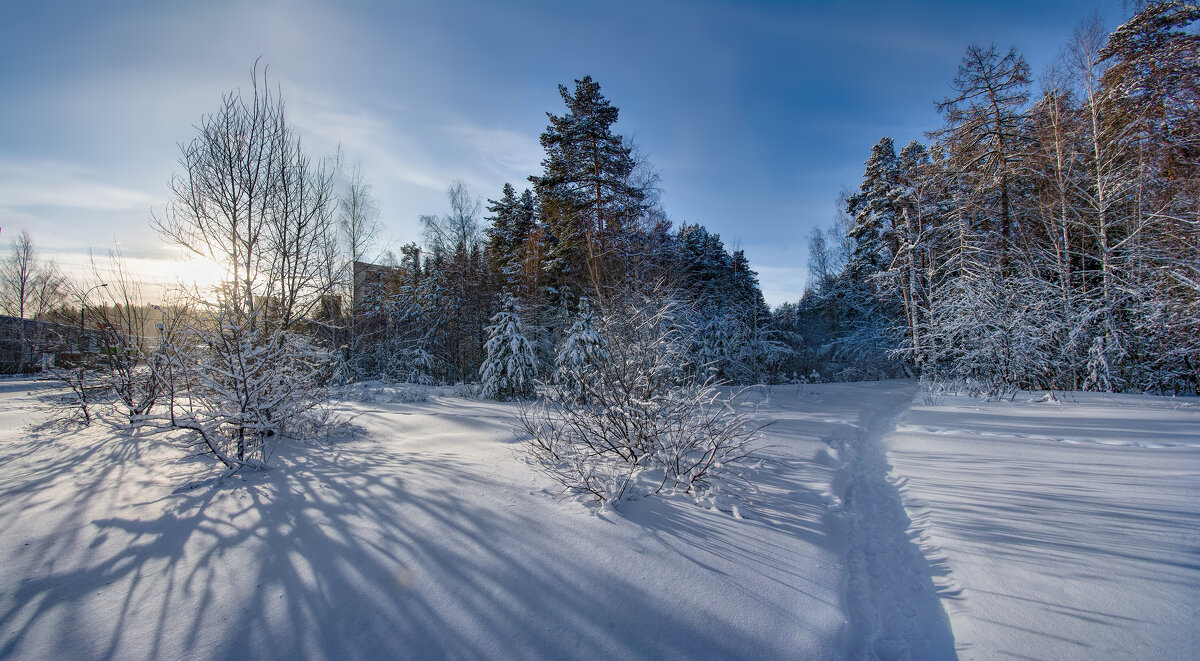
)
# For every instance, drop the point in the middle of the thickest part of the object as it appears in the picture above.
(703, 266)
(585, 190)
(512, 223)
(581, 353)
(510, 368)
(713, 353)
(874, 214)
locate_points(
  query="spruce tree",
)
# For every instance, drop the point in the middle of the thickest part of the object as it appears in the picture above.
(874, 213)
(512, 223)
(582, 353)
(510, 368)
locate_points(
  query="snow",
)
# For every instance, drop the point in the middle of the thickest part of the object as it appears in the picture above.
(1042, 529)
(1062, 530)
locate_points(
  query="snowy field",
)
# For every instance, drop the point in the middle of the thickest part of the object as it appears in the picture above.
(1059, 530)
(1042, 530)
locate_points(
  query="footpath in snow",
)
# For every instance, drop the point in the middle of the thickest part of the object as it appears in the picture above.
(891, 601)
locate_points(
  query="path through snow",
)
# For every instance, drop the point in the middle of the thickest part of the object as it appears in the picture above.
(891, 603)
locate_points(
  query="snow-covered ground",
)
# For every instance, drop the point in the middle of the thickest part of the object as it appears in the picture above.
(1059, 530)
(424, 536)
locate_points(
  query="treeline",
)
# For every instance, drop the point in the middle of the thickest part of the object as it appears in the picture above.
(588, 227)
(1045, 237)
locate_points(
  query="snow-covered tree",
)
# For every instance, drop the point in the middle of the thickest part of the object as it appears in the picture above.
(645, 424)
(513, 219)
(244, 372)
(714, 345)
(244, 388)
(874, 212)
(985, 126)
(581, 353)
(510, 369)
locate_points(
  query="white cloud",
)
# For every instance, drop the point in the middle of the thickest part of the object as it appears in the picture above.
(41, 183)
(412, 154)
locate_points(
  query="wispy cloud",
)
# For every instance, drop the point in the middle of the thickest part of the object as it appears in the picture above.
(500, 151)
(414, 147)
(42, 183)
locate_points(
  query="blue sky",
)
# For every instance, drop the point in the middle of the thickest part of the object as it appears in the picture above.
(755, 113)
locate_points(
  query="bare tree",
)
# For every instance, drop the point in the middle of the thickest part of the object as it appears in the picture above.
(29, 290)
(252, 200)
(127, 363)
(457, 230)
(358, 233)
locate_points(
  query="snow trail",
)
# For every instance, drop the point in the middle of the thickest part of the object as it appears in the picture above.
(892, 605)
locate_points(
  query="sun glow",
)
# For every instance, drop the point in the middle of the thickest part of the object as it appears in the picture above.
(191, 273)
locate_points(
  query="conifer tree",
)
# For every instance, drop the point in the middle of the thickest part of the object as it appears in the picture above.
(581, 353)
(512, 223)
(585, 190)
(874, 214)
(510, 368)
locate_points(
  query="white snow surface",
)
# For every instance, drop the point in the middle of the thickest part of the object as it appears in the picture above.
(1029, 529)
(1065, 529)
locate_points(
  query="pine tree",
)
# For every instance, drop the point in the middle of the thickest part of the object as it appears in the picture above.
(510, 368)
(585, 190)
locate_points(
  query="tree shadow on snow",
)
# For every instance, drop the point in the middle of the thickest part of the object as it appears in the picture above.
(350, 552)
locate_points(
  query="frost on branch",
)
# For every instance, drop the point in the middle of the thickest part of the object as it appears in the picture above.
(641, 421)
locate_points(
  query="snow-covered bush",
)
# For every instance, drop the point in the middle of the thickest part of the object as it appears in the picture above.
(641, 422)
(510, 368)
(996, 335)
(465, 390)
(240, 389)
(370, 392)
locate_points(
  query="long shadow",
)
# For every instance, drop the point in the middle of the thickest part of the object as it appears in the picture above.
(1085, 546)
(336, 553)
